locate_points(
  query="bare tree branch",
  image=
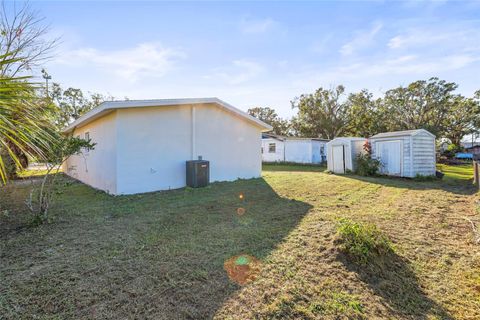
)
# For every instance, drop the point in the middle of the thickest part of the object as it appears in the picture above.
(24, 35)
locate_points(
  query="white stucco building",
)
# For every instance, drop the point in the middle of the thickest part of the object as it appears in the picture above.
(142, 145)
(290, 149)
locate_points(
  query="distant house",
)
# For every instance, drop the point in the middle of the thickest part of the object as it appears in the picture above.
(473, 150)
(470, 144)
(142, 145)
(277, 148)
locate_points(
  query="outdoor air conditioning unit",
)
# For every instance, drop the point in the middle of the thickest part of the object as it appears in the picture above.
(198, 173)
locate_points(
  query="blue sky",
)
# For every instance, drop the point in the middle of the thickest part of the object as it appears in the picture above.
(260, 53)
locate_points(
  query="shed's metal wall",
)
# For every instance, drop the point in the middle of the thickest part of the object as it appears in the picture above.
(353, 146)
(423, 155)
(406, 158)
(418, 156)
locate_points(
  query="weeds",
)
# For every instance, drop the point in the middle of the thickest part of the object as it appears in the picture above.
(362, 241)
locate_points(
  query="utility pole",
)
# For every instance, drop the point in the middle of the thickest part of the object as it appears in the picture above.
(47, 77)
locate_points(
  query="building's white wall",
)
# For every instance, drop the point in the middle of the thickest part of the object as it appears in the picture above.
(319, 151)
(424, 158)
(153, 145)
(278, 155)
(299, 151)
(97, 167)
(231, 144)
(316, 156)
(145, 149)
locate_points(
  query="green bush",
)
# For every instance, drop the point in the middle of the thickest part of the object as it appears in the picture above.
(362, 241)
(366, 165)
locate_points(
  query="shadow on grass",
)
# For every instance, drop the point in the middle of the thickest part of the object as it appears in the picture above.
(157, 255)
(449, 184)
(392, 278)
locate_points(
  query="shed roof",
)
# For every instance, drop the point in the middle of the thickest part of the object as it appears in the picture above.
(401, 133)
(109, 106)
(348, 139)
(283, 138)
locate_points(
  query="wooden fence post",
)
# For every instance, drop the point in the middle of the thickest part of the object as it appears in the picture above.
(476, 170)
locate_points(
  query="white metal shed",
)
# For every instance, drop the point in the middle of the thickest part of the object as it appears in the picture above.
(341, 153)
(405, 153)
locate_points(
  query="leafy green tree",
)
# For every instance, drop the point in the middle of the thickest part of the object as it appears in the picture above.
(72, 103)
(422, 104)
(323, 113)
(365, 116)
(462, 119)
(270, 116)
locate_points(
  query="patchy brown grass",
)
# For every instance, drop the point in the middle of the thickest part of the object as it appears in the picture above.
(162, 255)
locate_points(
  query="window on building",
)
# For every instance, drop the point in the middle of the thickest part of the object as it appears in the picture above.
(271, 148)
(322, 150)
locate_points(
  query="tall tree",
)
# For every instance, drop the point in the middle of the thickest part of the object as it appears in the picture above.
(72, 103)
(461, 119)
(23, 37)
(270, 116)
(321, 114)
(422, 104)
(364, 113)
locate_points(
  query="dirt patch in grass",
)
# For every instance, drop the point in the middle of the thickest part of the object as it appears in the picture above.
(162, 255)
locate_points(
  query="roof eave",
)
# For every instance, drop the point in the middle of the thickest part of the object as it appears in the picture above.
(111, 105)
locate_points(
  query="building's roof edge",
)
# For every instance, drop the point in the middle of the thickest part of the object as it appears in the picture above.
(108, 106)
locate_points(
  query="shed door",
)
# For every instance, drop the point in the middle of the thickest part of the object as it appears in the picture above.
(390, 154)
(338, 157)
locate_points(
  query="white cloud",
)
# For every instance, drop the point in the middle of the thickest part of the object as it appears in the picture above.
(361, 39)
(418, 38)
(147, 59)
(455, 37)
(256, 26)
(383, 70)
(240, 71)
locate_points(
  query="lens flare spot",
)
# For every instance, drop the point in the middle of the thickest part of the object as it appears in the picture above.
(241, 211)
(242, 269)
(240, 196)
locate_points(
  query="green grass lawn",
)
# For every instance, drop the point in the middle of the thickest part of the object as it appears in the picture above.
(162, 255)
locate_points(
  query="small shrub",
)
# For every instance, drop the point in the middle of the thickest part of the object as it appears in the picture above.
(366, 165)
(362, 241)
